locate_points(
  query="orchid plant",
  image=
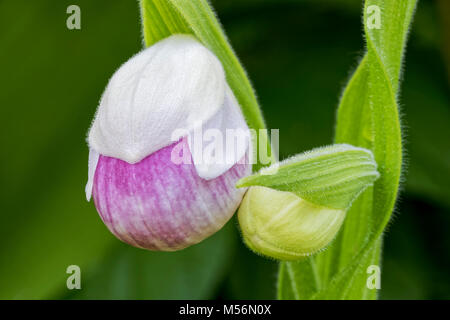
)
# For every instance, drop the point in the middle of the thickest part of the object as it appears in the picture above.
(321, 214)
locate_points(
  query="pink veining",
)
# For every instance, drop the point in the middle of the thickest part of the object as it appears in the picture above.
(158, 205)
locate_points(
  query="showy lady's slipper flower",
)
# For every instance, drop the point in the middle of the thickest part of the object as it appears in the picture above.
(153, 187)
(299, 209)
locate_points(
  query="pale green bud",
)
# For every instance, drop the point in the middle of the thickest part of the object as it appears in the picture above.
(284, 226)
(296, 208)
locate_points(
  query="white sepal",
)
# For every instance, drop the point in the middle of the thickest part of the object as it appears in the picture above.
(92, 165)
(176, 83)
(222, 141)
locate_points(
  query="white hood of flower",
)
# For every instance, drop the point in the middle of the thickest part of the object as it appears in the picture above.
(175, 84)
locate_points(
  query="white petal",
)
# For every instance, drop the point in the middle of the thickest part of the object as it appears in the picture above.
(93, 160)
(175, 84)
(213, 158)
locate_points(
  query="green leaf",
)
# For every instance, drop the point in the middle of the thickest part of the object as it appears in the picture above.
(368, 117)
(162, 18)
(298, 280)
(331, 176)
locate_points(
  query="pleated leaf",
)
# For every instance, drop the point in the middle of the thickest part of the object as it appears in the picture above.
(332, 176)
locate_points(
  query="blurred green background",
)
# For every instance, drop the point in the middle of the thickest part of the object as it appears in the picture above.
(298, 54)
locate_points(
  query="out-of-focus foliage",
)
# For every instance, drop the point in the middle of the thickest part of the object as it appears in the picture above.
(196, 272)
(297, 54)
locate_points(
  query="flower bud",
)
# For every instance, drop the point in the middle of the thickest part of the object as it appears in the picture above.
(147, 121)
(296, 208)
(284, 226)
